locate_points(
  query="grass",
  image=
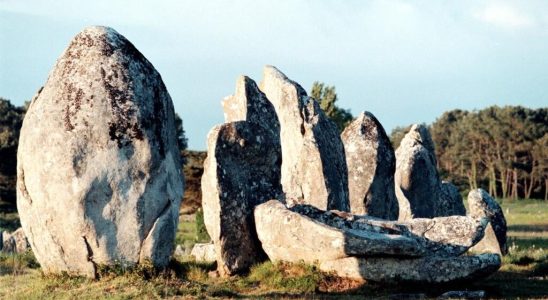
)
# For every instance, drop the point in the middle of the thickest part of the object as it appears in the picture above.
(524, 273)
(9, 221)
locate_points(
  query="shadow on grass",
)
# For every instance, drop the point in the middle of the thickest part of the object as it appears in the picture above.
(528, 228)
(509, 284)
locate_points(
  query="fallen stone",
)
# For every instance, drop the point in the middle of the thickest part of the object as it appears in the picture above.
(419, 191)
(445, 236)
(242, 170)
(429, 269)
(371, 165)
(204, 252)
(105, 186)
(291, 236)
(482, 205)
(313, 165)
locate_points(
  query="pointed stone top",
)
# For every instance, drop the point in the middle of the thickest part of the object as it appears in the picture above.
(269, 70)
(419, 134)
(272, 76)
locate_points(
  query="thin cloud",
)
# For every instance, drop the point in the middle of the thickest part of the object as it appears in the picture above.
(505, 16)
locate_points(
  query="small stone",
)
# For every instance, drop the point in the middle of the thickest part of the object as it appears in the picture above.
(16, 242)
(204, 252)
(463, 295)
(482, 205)
(179, 251)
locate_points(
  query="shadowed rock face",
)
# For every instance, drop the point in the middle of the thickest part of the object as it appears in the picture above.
(482, 205)
(419, 191)
(371, 165)
(430, 269)
(108, 188)
(242, 170)
(313, 166)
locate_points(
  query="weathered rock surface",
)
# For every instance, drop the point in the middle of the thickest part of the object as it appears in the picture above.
(242, 170)
(419, 191)
(448, 236)
(291, 236)
(451, 203)
(463, 295)
(371, 165)
(430, 269)
(15, 242)
(105, 186)
(482, 205)
(313, 166)
(204, 252)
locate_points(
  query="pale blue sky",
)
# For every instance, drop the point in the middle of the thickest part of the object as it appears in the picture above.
(405, 61)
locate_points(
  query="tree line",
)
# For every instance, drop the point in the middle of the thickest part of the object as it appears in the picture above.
(501, 149)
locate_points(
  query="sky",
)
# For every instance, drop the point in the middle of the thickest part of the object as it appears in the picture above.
(404, 61)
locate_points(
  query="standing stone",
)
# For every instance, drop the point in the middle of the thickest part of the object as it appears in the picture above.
(16, 242)
(482, 205)
(99, 177)
(419, 191)
(242, 170)
(313, 166)
(371, 165)
(450, 201)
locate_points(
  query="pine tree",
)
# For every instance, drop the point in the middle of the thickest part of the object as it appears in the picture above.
(327, 98)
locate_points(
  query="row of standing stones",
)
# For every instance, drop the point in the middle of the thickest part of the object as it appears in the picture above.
(279, 182)
(99, 180)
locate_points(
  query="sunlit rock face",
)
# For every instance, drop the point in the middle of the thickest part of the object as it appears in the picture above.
(99, 173)
(313, 165)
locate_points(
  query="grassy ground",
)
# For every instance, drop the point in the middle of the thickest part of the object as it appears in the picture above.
(524, 273)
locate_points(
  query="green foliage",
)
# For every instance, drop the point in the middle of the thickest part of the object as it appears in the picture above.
(397, 135)
(11, 119)
(298, 278)
(9, 221)
(501, 149)
(182, 140)
(327, 98)
(201, 232)
(14, 264)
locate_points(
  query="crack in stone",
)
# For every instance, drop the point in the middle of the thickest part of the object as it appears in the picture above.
(90, 256)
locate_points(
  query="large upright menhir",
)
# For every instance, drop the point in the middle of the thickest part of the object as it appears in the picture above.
(99, 173)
